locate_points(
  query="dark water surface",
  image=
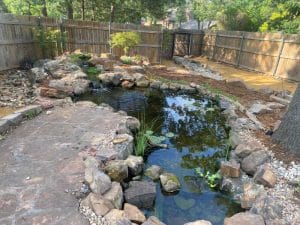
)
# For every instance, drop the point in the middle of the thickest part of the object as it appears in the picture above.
(199, 141)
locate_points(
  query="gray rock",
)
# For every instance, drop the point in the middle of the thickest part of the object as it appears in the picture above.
(154, 172)
(39, 73)
(258, 109)
(13, 119)
(117, 217)
(245, 149)
(251, 163)
(268, 207)
(275, 105)
(99, 204)
(117, 170)
(152, 220)
(155, 84)
(169, 182)
(244, 218)
(265, 176)
(111, 78)
(98, 181)
(134, 214)
(234, 139)
(164, 86)
(188, 89)
(137, 69)
(141, 80)
(124, 149)
(115, 195)
(141, 194)
(132, 123)
(230, 168)
(251, 192)
(30, 110)
(135, 164)
(199, 222)
(4, 126)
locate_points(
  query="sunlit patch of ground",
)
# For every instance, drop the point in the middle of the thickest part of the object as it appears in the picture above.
(253, 79)
(5, 111)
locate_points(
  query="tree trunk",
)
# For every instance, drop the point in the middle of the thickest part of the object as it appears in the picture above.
(83, 9)
(288, 133)
(3, 8)
(44, 9)
(69, 7)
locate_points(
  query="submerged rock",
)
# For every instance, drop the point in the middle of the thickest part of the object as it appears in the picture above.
(154, 172)
(169, 182)
(184, 203)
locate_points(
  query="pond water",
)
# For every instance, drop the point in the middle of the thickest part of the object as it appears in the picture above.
(199, 141)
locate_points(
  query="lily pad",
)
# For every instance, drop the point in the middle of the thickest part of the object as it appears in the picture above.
(183, 203)
(169, 135)
(156, 140)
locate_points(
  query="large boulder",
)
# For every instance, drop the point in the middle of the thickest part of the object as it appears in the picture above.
(141, 194)
(111, 78)
(115, 195)
(169, 182)
(134, 214)
(251, 163)
(265, 176)
(244, 218)
(107, 64)
(141, 80)
(117, 170)
(154, 172)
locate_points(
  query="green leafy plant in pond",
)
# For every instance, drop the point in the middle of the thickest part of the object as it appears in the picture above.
(145, 137)
(52, 42)
(212, 179)
(125, 40)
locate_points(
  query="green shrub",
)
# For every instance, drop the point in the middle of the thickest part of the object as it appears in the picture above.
(52, 42)
(92, 73)
(125, 40)
(126, 59)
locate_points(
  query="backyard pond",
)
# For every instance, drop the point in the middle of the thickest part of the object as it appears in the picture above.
(198, 140)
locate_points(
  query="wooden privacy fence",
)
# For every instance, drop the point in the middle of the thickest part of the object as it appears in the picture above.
(17, 41)
(270, 53)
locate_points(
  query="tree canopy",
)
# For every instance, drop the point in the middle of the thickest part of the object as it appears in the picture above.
(250, 15)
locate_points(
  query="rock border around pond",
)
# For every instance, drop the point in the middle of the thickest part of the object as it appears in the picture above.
(252, 175)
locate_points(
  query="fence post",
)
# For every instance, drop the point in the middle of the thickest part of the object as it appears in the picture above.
(62, 35)
(278, 56)
(241, 49)
(215, 46)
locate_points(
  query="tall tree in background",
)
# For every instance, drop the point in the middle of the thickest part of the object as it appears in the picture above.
(44, 8)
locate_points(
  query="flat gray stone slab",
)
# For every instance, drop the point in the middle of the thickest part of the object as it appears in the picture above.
(41, 166)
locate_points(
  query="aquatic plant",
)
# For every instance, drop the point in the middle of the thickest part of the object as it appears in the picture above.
(212, 179)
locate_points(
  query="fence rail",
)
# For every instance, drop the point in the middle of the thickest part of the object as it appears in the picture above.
(17, 42)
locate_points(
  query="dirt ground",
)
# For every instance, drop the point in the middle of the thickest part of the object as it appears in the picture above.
(253, 79)
(243, 95)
